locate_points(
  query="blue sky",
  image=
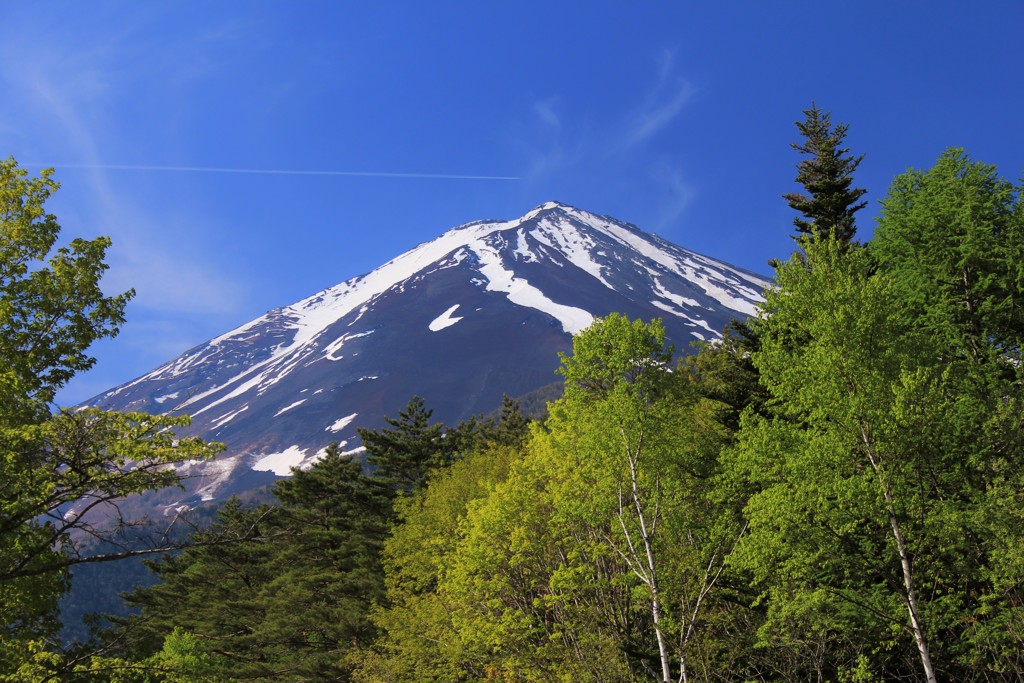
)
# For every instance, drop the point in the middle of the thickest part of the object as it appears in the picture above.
(674, 116)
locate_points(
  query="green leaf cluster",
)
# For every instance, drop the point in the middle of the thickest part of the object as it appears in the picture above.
(63, 472)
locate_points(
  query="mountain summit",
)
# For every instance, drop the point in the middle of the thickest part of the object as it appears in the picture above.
(481, 311)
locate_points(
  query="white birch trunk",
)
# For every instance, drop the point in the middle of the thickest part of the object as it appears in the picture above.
(909, 598)
(647, 528)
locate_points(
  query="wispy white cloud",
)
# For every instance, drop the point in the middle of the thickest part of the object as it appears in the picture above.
(613, 145)
(230, 31)
(549, 148)
(651, 121)
(662, 105)
(544, 162)
(167, 275)
(545, 111)
(676, 193)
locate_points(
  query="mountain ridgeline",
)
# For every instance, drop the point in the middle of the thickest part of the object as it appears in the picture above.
(481, 311)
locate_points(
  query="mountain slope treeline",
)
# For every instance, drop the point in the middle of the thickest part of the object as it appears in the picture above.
(835, 491)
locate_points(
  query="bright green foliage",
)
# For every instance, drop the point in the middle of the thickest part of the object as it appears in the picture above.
(534, 588)
(829, 207)
(617, 355)
(885, 518)
(614, 426)
(51, 306)
(646, 447)
(952, 238)
(599, 541)
(60, 472)
(185, 659)
(418, 639)
(817, 540)
(27, 661)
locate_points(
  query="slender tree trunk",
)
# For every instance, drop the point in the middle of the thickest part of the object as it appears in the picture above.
(909, 596)
(647, 536)
(911, 600)
(644, 566)
(666, 666)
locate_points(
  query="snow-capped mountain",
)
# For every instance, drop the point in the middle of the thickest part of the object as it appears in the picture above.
(480, 311)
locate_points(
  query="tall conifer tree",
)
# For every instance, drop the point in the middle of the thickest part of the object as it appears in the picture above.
(829, 206)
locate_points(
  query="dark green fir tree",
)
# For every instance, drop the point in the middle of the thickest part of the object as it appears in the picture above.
(402, 455)
(829, 205)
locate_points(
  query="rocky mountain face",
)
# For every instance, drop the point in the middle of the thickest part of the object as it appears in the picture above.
(481, 311)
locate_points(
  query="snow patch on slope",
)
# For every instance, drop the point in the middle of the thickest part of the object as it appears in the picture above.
(444, 320)
(678, 300)
(338, 343)
(523, 249)
(289, 407)
(213, 473)
(281, 464)
(691, 322)
(338, 425)
(224, 419)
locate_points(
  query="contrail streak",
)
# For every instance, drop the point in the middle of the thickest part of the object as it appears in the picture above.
(273, 171)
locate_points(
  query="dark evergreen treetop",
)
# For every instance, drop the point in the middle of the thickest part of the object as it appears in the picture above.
(289, 601)
(512, 427)
(402, 456)
(829, 206)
